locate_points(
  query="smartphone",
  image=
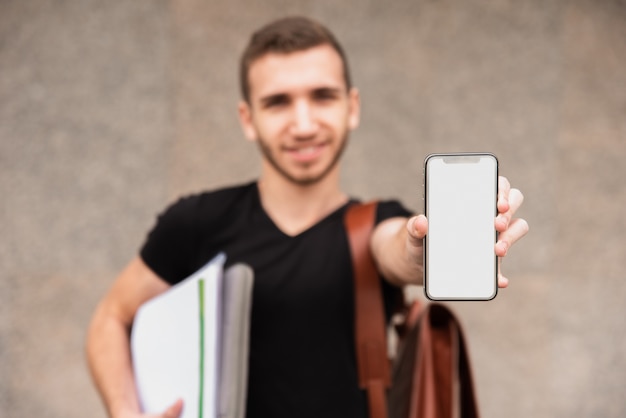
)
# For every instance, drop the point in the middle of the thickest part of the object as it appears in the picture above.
(460, 197)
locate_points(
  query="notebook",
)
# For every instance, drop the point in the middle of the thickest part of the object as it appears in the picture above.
(191, 342)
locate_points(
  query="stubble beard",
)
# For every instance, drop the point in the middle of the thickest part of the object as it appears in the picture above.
(307, 180)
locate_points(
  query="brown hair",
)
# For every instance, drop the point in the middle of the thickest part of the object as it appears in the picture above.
(284, 36)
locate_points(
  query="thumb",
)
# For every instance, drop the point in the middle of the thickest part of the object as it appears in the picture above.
(174, 410)
(417, 226)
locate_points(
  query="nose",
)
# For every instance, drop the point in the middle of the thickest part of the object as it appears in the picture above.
(304, 121)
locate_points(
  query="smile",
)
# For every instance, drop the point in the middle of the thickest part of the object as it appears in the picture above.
(306, 154)
(307, 150)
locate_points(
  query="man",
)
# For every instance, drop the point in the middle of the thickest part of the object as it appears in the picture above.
(299, 107)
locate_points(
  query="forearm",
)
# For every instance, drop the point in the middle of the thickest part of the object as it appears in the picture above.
(108, 356)
(397, 254)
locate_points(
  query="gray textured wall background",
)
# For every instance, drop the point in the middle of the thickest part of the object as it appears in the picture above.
(109, 110)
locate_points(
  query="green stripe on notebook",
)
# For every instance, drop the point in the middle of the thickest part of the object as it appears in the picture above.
(201, 385)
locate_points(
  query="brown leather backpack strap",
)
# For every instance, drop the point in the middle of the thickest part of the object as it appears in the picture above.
(432, 394)
(370, 328)
(442, 361)
(469, 403)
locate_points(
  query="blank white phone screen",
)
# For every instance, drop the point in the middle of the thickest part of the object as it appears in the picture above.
(460, 204)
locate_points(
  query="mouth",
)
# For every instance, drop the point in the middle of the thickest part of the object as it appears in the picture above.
(306, 154)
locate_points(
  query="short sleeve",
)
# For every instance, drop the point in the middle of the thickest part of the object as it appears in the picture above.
(172, 241)
(391, 209)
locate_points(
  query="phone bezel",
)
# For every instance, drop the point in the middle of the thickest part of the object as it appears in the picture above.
(459, 157)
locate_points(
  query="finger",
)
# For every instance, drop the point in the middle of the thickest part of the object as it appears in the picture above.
(174, 410)
(515, 200)
(516, 230)
(503, 194)
(503, 282)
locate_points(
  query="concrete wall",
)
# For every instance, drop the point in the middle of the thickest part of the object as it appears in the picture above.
(109, 110)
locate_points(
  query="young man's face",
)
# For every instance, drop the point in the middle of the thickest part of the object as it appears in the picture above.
(300, 113)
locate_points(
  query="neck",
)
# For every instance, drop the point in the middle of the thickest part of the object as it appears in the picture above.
(295, 208)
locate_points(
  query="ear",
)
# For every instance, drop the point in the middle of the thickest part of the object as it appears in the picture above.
(354, 110)
(245, 118)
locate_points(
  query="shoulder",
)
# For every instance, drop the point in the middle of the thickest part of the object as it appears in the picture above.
(203, 210)
(210, 203)
(177, 240)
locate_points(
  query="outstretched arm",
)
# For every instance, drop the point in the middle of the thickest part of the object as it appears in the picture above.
(397, 248)
(108, 341)
(397, 243)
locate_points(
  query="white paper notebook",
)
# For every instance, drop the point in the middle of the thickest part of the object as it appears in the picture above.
(175, 345)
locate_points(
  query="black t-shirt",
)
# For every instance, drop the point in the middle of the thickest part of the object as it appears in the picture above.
(302, 360)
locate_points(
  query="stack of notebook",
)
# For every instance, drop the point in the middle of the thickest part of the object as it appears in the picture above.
(191, 343)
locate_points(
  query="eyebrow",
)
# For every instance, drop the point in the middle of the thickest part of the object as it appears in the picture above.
(274, 98)
(284, 97)
(327, 90)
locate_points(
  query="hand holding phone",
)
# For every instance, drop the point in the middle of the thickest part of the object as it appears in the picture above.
(460, 203)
